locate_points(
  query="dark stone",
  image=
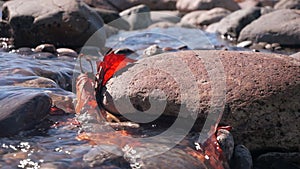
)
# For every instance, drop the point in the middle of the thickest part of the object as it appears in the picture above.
(21, 110)
(61, 23)
(107, 15)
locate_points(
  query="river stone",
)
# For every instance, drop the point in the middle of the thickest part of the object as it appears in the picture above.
(233, 23)
(203, 17)
(62, 23)
(262, 98)
(107, 15)
(125, 4)
(138, 17)
(188, 5)
(21, 110)
(285, 33)
(287, 4)
(165, 16)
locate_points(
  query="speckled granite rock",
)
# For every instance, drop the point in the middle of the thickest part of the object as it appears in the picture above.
(262, 92)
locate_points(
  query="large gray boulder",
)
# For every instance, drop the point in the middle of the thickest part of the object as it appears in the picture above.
(281, 26)
(262, 93)
(233, 23)
(188, 5)
(68, 23)
(204, 17)
(138, 17)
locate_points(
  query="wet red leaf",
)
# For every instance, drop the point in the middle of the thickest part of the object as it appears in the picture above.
(111, 64)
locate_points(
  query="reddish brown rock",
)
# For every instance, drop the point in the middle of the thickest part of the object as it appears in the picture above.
(262, 92)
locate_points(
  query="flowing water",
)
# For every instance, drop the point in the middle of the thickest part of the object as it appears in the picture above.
(53, 143)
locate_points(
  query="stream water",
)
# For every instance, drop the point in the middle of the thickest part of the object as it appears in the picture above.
(53, 143)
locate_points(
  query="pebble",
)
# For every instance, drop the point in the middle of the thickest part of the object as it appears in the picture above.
(152, 50)
(46, 48)
(66, 52)
(244, 44)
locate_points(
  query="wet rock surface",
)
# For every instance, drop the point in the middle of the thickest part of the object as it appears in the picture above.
(285, 33)
(68, 23)
(29, 87)
(249, 101)
(21, 110)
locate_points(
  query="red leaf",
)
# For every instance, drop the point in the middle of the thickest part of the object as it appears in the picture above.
(111, 64)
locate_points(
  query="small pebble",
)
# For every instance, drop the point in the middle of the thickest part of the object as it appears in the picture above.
(268, 46)
(46, 48)
(66, 52)
(244, 44)
(152, 50)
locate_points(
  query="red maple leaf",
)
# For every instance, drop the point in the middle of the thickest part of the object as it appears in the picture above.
(110, 65)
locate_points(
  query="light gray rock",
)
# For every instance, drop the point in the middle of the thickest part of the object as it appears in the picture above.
(165, 16)
(205, 17)
(261, 99)
(232, 24)
(281, 26)
(188, 5)
(125, 4)
(138, 17)
(62, 23)
(162, 25)
(287, 4)
(249, 3)
(296, 55)
(110, 30)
